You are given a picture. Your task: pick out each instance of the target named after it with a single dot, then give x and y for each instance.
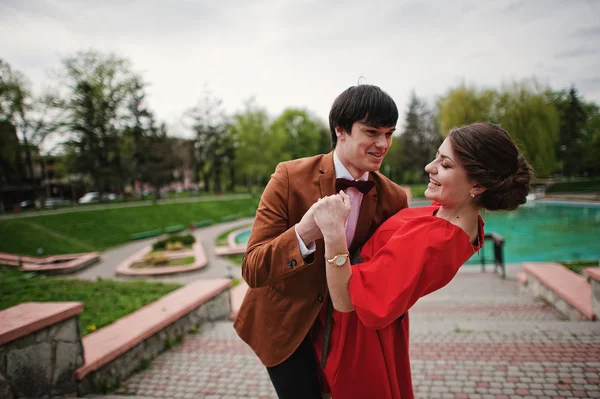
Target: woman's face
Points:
(448, 181)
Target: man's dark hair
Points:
(366, 104)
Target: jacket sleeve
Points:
(272, 253)
(421, 257)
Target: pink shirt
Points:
(355, 201)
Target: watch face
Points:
(340, 261)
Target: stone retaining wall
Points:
(541, 291)
(42, 363)
(110, 376)
(593, 274)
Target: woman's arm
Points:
(338, 277)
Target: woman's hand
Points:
(331, 212)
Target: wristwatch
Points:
(339, 260)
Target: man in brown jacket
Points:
(284, 263)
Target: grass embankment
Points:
(98, 230)
(104, 301)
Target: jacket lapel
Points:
(327, 177)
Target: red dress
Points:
(412, 254)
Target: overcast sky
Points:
(302, 53)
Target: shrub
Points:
(187, 239)
(174, 246)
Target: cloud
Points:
(583, 51)
(304, 53)
(589, 32)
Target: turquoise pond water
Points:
(538, 232)
(242, 238)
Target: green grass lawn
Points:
(98, 230)
(104, 301)
(584, 186)
(188, 260)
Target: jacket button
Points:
(320, 298)
(292, 263)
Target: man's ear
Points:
(340, 133)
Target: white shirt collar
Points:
(342, 173)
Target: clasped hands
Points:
(325, 218)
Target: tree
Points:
(257, 147)
(302, 132)
(571, 138)
(12, 92)
(591, 137)
(464, 105)
(418, 142)
(210, 125)
(159, 162)
(133, 143)
(524, 111)
(34, 118)
(96, 91)
(522, 108)
(10, 99)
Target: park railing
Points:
(497, 253)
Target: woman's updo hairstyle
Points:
(490, 156)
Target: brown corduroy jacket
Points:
(286, 291)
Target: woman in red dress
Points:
(412, 254)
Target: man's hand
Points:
(330, 213)
(307, 228)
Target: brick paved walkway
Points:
(476, 338)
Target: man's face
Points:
(364, 149)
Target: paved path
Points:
(477, 338)
(217, 266)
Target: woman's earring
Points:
(472, 195)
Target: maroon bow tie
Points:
(364, 186)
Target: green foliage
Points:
(581, 186)
(532, 121)
(303, 134)
(187, 239)
(259, 148)
(10, 163)
(102, 229)
(418, 190)
(579, 137)
(521, 108)
(104, 301)
(213, 143)
(415, 147)
(464, 105)
(97, 90)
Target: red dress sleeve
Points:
(422, 256)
